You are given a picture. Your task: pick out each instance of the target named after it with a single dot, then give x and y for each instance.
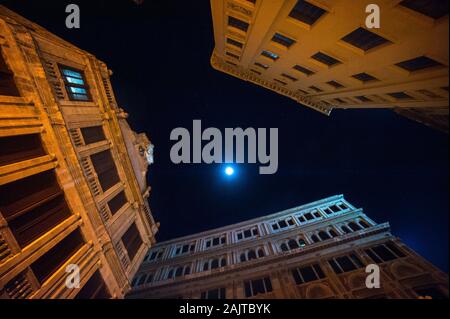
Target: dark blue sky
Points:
(396, 169)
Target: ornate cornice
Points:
(237, 71)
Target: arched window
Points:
(215, 264)
(364, 224)
(284, 247)
(251, 254)
(179, 272)
(345, 229)
(354, 226)
(302, 242)
(261, 253)
(333, 233)
(315, 239)
(206, 266)
(243, 257)
(324, 236)
(187, 270)
(223, 262)
(292, 244)
(170, 275)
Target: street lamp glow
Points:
(229, 171)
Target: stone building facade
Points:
(318, 250)
(321, 53)
(72, 173)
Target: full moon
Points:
(229, 171)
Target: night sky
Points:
(396, 169)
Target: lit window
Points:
(75, 84)
(270, 55)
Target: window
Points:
(362, 98)
(219, 293)
(264, 66)
(315, 239)
(345, 263)
(386, 252)
(247, 233)
(293, 244)
(155, 255)
(419, 63)
(238, 24)
(235, 43)
(335, 84)
(279, 81)
(364, 39)
(353, 226)
(7, 84)
(283, 40)
(215, 241)
(364, 77)
(307, 274)
(75, 84)
(184, 249)
(95, 288)
(117, 202)
(304, 70)
(261, 253)
(255, 71)
(32, 206)
(400, 96)
(92, 134)
(53, 259)
(364, 224)
(340, 101)
(270, 55)
(315, 89)
(324, 236)
(20, 148)
(257, 286)
(132, 241)
(325, 59)
(234, 56)
(306, 12)
(106, 169)
(346, 230)
(432, 8)
(290, 77)
(333, 233)
(230, 63)
(285, 223)
(335, 208)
